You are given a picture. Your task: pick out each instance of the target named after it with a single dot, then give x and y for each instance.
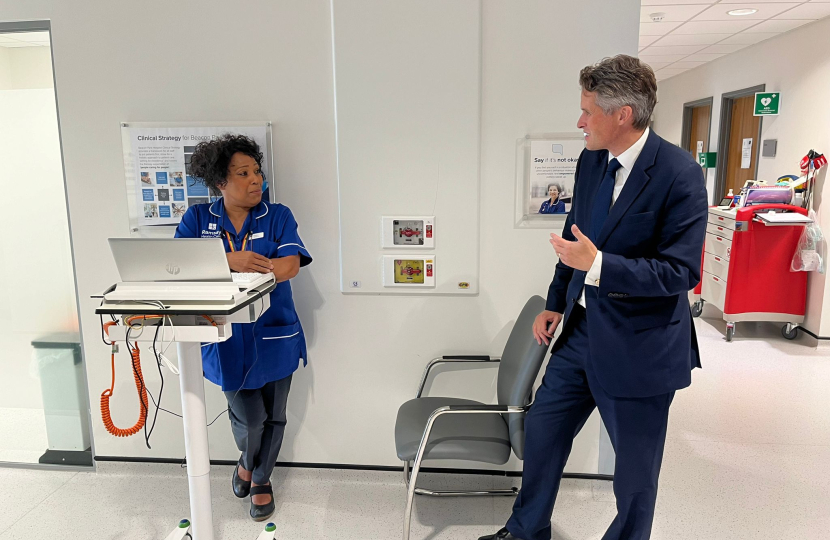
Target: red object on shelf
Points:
(429, 231)
(429, 270)
(760, 279)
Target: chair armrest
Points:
(500, 409)
(451, 359)
(486, 409)
(462, 409)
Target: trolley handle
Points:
(748, 212)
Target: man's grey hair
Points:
(620, 81)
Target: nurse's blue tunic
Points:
(271, 348)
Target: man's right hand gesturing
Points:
(545, 325)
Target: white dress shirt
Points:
(627, 160)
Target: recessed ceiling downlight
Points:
(740, 12)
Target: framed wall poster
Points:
(157, 155)
(545, 168)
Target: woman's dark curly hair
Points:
(211, 159)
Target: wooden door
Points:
(744, 126)
(699, 130)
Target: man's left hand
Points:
(578, 255)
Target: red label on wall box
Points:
(429, 231)
(429, 270)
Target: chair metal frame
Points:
(411, 480)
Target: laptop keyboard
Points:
(245, 277)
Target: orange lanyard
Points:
(230, 242)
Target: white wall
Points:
(273, 61)
(797, 64)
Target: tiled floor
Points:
(748, 457)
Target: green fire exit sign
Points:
(707, 160)
(766, 103)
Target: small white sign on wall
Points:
(746, 154)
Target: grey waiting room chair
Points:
(453, 428)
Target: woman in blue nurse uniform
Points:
(553, 205)
(254, 367)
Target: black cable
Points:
(103, 336)
(157, 404)
(161, 376)
(142, 388)
(256, 359)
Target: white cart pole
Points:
(192, 386)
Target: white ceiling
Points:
(694, 32)
(24, 39)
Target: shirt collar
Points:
(217, 209)
(629, 157)
(260, 210)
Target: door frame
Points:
(727, 101)
(685, 136)
(10, 27)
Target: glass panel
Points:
(44, 410)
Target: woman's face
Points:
(553, 192)
(244, 187)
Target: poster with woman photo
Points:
(551, 175)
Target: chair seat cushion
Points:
(471, 437)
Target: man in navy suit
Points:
(628, 256)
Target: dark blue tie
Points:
(602, 201)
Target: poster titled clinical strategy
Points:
(164, 185)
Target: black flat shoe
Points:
(261, 512)
(241, 488)
(503, 534)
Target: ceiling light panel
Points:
(811, 10)
(723, 49)
(776, 25)
(657, 29)
(732, 26)
(692, 39)
(746, 38)
(657, 50)
(648, 59)
(719, 12)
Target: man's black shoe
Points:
(503, 534)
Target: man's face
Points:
(600, 129)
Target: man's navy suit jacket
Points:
(642, 337)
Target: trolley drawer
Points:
(720, 230)
(713, 290)
(717, 266)
(718, 245)
(728, 222)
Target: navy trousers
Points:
(567, 396)
(258, 419)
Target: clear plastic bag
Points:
(810, 255)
